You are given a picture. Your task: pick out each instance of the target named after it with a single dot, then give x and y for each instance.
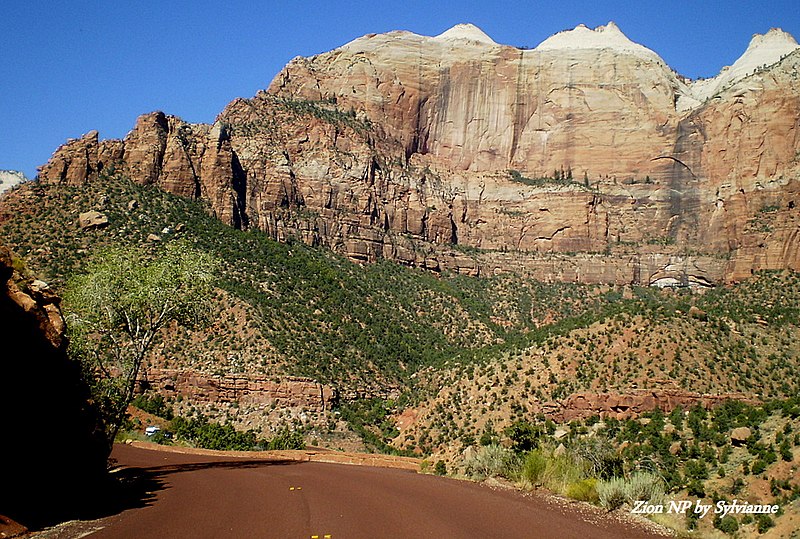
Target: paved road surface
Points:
(203, 496)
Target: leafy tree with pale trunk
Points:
(118, 309)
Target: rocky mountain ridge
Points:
(584, 159)
(763, 50)
(10, 179)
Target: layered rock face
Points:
(433, 151)
(633, 404)
(192, 160)
(292, 392)
(479, 106)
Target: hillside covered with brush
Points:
(382, 329)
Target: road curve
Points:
(201, 496)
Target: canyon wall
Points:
(290, 392)
(585, 159)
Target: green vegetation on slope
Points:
(314, 312)
(475, 348)
(685, 455)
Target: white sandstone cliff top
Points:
(602, 37)
(763, 50)
(467, 32)
(10, 178)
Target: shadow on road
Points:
(123, 489)
(85, 499)
(160, 471)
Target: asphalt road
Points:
(197, 496)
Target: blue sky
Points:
(70, 67)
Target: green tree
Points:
(117, 309)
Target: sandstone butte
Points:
(426, 150)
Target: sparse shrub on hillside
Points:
(727, 524)
(556, 472)
(210, 435)
(584, 490)
(153, 404)
(616, 492)
(646, 486)
(491, 461)
(562, 471)
(612, 493)
(696, 488)
(603, 460)
(534, 466)
(287, 439)
(764, 523)
(524, 436)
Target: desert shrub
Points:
(555, 472)
(162, 438)
(211, 435)
(646, 486)
(615, 492)
(584, 490)
(153, 404)
(534, 466)
(727, 524)
(490, 461)
(696, 488)
(287, 439)
(765, 522)
(524, 436)
(440, 468)
(600, 456)
(561, 471)
(692, 519)
(611, 493)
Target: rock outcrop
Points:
(740, 435)
(291, 392)
(92, 219)
(631, 404)
(10, 179)
(586, 158)
(191, 160)
(54, 451)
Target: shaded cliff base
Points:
(54, 458)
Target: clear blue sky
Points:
(69, 67)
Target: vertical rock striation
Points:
(586, 158)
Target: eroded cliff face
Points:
(250, 390)
(429, 151)
(191, 160)
(631, 404)
(479, 107)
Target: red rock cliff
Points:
(401, 146)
